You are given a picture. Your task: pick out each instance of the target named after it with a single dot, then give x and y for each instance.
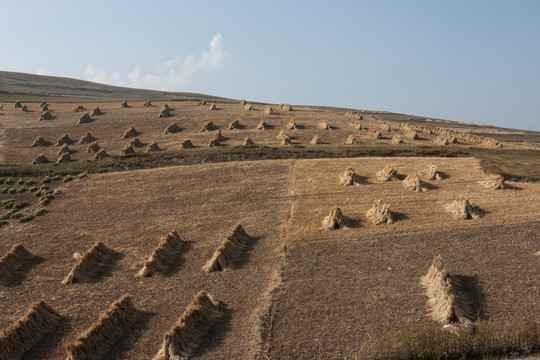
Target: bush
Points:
(8, 181)
(20, 181)
(68, 178)
(33, 189)
(41, 211)
(12, 191)
(46, 179)
(56, 178)
(44, 201)
(22, 189)
(16, 215)
(26, 218)
(29, 182)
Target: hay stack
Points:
(13, 262)
(40, 141)
(213, 106)
(316, 140)
(219, 136)
(414, 183)
(105, 332)
(209, 126)
(291, 125)
(163, 256)
(87, 138)
(63, 158)
(43, 103)
(79, 108)
(186, 144)
(187, 334)
(385, 126)
(355, 125)
(136, 143)
(152, 147)
(397, 140)
(17, 105)
(349, 177)
(234, 125)
(93, 148)
(164, 113)
(411, 135)
(262, 125)
(323, 125)
(128, 150)
(285, 107)
(229, 254)
(124, 105)
(85, 119)
(431, 172)
(44, 108)
(172, 129)
(445, 140)
(249, 107)
(101, 154)
(374, 134)
(64, 150)
(96, 112)
(24, 108)
(493, 182)
(243, 102)
(462, 209)
(64, 140)
(387, 174)
(214, 142)
(269, 111)
(39, 320)
(41, 159)
(446, 302)
(247, 141)
(147, 103)
(131, 132)
(165, 107)
(351, 140)
(335, 220)
(202, 102)
(379, 213)
(45, 116)
(93, 262)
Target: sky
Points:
(465, 60)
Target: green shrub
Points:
(29, 182)
(41, 211)
(46, 179)
(26, 218)
(6, 204)
(8, 181)
(20, 181)
(68, 178)
(22, 189)
(16, 215)
(12, 191)
(44, 201)
(14, 204)
(33, 189)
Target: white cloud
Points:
(42, 71)
(172, 75)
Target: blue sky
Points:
(474, 61)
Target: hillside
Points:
(79, 166)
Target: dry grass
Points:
(64, 150)
(12, 262)
(186, 336)
(163, 256)
(349, 178)
(105, 332)
(493, 182)
(130, 133)
(96, 260)
(87, 138)
(27, 331)
(388, 173)
(85, 119)
(432, 173)
(231, 251)
(172, 129)
(414, 183)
